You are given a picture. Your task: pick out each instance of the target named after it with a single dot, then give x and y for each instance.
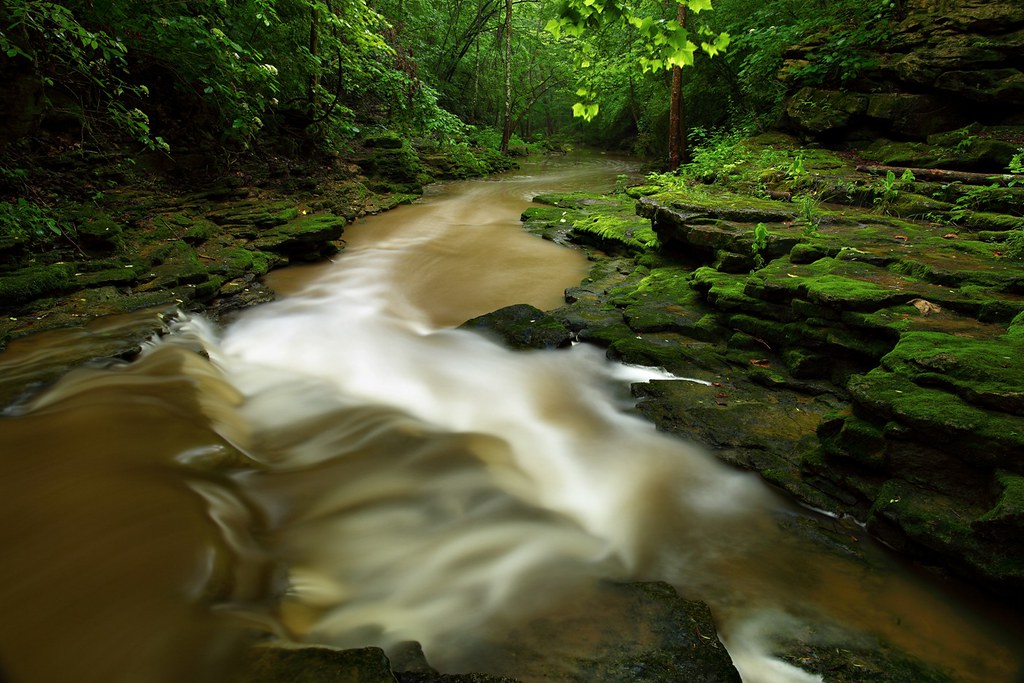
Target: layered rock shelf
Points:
(867, 359)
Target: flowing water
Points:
(342, 467)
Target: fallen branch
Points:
(943, 176)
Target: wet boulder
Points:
(522, 326)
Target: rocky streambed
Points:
(859, 352)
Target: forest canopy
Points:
(231, 71)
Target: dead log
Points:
(939, 175)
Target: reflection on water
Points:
(342, 468)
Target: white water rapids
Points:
(423, 483)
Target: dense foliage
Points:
(228, 72)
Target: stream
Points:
(343, 467)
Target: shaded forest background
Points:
(318, 74)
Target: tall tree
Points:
(657, 45)
(506, 131)
(677, 111)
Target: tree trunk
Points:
(677, 110)
(314, 48)
(506, 132)
(476, 84)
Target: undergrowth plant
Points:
(1016, 166)
(809, 211)
(1014, 245)
(25, 221)
(889, 187)
(759, 244)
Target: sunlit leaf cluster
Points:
(657, 42)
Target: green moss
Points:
(804, 363)
(770, 331)
(919, 514)
(96, 227)
(858, 441)
(728, 292)
(847, 293)
(1015, 330)
(118, 276)
(209, 288)
(984, 372)
(1010, 506)
(668, 284)
(543, 213)
(983, 220)
(638, 191)
(666, 350)
(982, 436)
(35, 282)
(200, 231)
(809, 252)
(618, 226)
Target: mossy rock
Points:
(174, 264)
(986, 438)
(209, 288)
(522, 326)
(258, 215)
(615, 226)
(890, 153)
(314, 665)
(576, 200)
(726, 206)
(679, 642)
(676, 353)
(235, 262)
(121, 276)
(986, 373)
(939, 528)
(668, 284)
(200, 231)
(304, 234)
(384, 140)
(35, 282)
(543, 213)
(392, 168)
(1004, 522)
(823, 111)
(855, 661)
(830, 282)
(998, 222)
(97, 228)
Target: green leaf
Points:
(698, 6)
(682, 57)
(554, 27)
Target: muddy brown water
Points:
(343, 468)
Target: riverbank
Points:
(857, 328)
(161, 234)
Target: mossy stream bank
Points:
(863, 354)
(158, 234)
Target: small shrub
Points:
(759, 244)
(25, 221)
